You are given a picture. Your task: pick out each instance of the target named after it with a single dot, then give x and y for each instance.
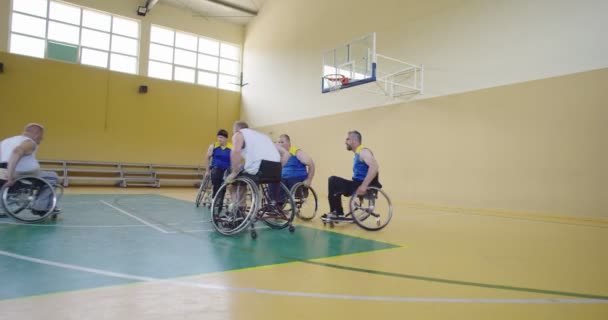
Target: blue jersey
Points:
(360, 168)
(221, 156)
(294, 168)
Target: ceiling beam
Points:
(234, 7)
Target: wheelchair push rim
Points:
(17, 200)
(373, 211)
(235, 213)
(277, 213)
(305, 199)
(203, 192)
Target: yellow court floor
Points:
(430, 262)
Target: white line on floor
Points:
(305, 294)
(135, 217)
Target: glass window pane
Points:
(185, 41)
(161, 35)
(64, 12)
(64, 32)
(94, 58)
(124, 45)
(121, 63)
(208, 46)
(185, 58)
(184, 74)
(27, 46)
(160, 70)
(161, 53)
(229, 67)
(62, 51)
(231, 52)
(95, 39)
(126, 27)
(28, 25)
(207, 78)
(228, 83)
(34, 7)
(96, 20)
(208, 62)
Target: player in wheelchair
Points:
(249, 197)
(370, 207)
(218, 163)
(297, 175)
(26, 193)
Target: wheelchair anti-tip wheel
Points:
(204, 192)
(372, 211)
(19, 199)
(305, 199)
(234, 213)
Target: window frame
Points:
(80, 27)
(197, 54)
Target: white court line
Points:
(304, 294)
(135, 217)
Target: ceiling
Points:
(211, 9)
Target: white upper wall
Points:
(160, 15)
(464, 45)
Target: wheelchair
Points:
(248, 200)
(372, 211)
(204, 192)
(18, 200)
(306, 201)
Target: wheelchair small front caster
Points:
(254, 234)
(292, 229)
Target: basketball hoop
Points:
(336, 81)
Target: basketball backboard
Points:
(350, 64)
(357, 63)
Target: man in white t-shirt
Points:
(263, 158)
(18, 158)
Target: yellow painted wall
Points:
(464, 45)
(95, 114)
(537, 146)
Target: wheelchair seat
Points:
(269, 172)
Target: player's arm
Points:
(236, 155)
(307, 161)
(24, 149)
(368, 157)
(208, 157)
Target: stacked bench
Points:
(123, 174)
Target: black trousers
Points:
(338, 187)
(217, 178)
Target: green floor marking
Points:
(94, 235)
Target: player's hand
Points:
(306, 183)
(230, 178)
(362, 190)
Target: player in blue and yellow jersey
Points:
(218, 156)
(365, 173)
(299, 167)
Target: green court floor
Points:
(99, 236)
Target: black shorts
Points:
(269, 172)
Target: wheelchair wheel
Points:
(234, 213)
(372, 211)
(19, 199)
(204, 192)
(277, 210)
(305, 199)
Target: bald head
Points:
(239, 125)
(34, 131)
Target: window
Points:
(180, 56)
(62, 31)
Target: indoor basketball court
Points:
(486, 119)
